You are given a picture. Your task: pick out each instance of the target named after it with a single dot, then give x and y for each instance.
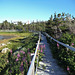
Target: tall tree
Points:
(63, 16)
(59, 15)
(51, 18)
(20, 23)
(68, 17)
(54, 16)
(5, 24)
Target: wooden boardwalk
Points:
(49, 66)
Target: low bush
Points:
(16, 65)
(65, 57)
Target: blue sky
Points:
(25, 10)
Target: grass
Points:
(16, 34)
(17, 44)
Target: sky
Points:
(24, 10)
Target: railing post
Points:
(33, 69)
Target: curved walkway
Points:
(48, 65)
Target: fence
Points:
(71, 48)
(32, 69)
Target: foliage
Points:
(19, 62)
(64, 28)
(59, 19)
(67, 38)
(26, 45)
(64, 56)
(40, 54)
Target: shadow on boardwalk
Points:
(48, 65)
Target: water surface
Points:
(5, 37)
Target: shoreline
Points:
(13, 36)
(6, 37)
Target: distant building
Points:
(16, 22)
(28, 22)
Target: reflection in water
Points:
(5, 37)
(1, 37)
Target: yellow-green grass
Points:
(4, 56)
(16, 34)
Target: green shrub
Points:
(12, 67)
(64, 56)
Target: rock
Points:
(52, 70)
(3, 44)
(8, 43)
(5, 50)
(32, 54)
(41, 63)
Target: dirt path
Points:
(49, 66)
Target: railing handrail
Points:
(31, 68)
(71, 48)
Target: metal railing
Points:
(71, 48)
(32, 69)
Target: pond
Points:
(5, 37)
